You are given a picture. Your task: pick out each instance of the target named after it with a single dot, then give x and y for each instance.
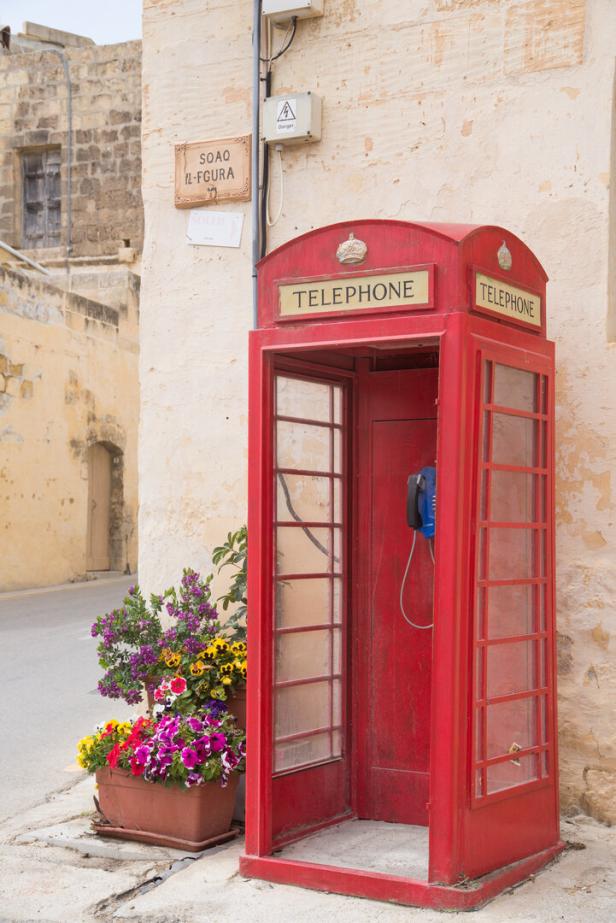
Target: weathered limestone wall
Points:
(106, 146)
(486, 111)
(68, 379)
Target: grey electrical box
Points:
(284, 10)
(292, 119)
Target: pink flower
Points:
(190, 757)
(178, 685)
(217, 741)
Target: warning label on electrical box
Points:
(286, 116)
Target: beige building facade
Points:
(70, 203)
(473, 111)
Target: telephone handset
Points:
(421, 517)
(421, 502)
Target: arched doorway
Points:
(99, 507)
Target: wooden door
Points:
(41, 198)
(393, 659)
(99, 507)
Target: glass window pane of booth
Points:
(510, 685)
(309, 567)
(515, 388)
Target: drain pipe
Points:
(256, 100)
(69, 151)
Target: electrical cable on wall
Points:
(264, 222)
(272, 221)
(286, 44)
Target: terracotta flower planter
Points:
(166, 815)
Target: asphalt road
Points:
(49, 672)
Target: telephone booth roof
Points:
(478, 269)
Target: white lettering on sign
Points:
(286, 116)
(207, 228)
(514, 303)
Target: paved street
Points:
(49, 700)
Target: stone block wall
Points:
(105, 145)
(68, 379)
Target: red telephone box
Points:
(401, 703)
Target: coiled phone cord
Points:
(403, 584)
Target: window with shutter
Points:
(41, 198)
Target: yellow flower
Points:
(197, 668)
(221, 644)
(226, 680)
(218, 692)
(174, 660)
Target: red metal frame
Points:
(499, 839)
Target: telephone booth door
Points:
(401, 714)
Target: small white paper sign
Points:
(207, 228)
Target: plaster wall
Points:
(479, 111)
(68, 379)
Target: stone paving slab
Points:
(53, 870)
(76, 834)
(580, 886)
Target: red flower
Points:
(113, 756)
(136, 768)
(178, 685)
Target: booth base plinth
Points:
(380, 886)
(371, 845)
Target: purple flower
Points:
(131, 590)
(217, 741)
(132, 697)
(142, 754)
(190, 757)
(193, 778)
(195, 725)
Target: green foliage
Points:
(234, 553)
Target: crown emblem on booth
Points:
(352, 250)
(504, 256)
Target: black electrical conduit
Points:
(259, 199)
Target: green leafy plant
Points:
(234, 553)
